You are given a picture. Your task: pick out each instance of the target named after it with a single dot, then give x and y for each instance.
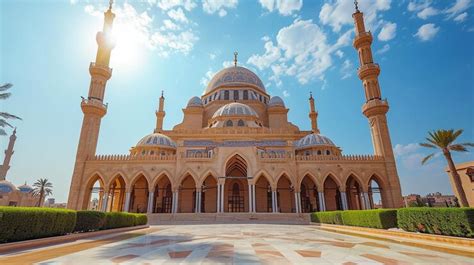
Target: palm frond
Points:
(468, 144)
(456, 134)
(428, 145)
(2, 132)
(5, 95)
(458, 148)
(4, 123)
(7, 115)
(5, 86)
(427, 158)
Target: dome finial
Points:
(310, 94)
(235, 58)
(356, 5)
(111, 2)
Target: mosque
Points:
(234, 151)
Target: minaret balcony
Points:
(100, 70)
(364, 38)
(374, 107)
(370, 69)
(93, 106)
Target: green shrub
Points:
(331, 217)
(440, 221)
(89, 221)
(141, 219)
(21, 223)
(118, 219)
(378, 218)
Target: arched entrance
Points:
(209, 195)
(332, 196)
(309, 195)
(116, 195)
(94, 198)
(163, 196)
(375, 194)
(263, 195)
(236, 185)
(187, 195)
(353, 192)
(139, 196)
(285, 195)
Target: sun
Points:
(128, 51)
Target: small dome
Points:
(276, 101)
(235, 109)
(6, 187)
(313, 139)
(156, 139)
(234, 76)
(25, 188)
(194, 102)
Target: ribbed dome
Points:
(235, 109)
(234, 76)
(6, 187)
(276, 101)
(313, 139)
(156, 139)
(25, 188)
(195, 102)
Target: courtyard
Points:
(231, 244)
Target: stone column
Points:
(322, 203)
(254, 206)
(362, 201)
(175, 202)
(151, 196)
(127, 201)
(250, 199)
(105, 201)
(344, 200)
(366, 200)
(275, 196)
(222, 198)
(297, 210)
(198, 201)
(218, 199)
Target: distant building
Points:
(49, 202)
(431, 199)
(466, 173)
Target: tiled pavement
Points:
(242, 244)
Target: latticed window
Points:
(226, 95)
(236, 94)
(240, 123)
(229, 123)
(246, 94)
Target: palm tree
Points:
(42, 189)
(5, 115)
(444, 140)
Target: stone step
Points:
(210, 218)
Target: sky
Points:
(424, 49)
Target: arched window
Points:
(240, 123)
(236, 94)
(226, 95)
(246, 94)
(328, 152)
(319, 152)
(229, 123)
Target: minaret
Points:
(93, 106)
(375, 108)
(8, 156)
(313, 114)
(160, 114)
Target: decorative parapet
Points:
(197, 155)
(339, 158)
(275, 155)
(134, 157)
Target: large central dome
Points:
(235, 76)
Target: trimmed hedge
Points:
(378, 218)
(440, 221)
(89, 221)
(330, 217)
(21, 223)
(123, 219)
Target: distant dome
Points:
(235, 109)
(6, 186)
(276, 101)
(156, 139)
(313, 139)
(195, 102)
(25, 188)
(234, 76)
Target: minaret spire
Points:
(356, 4)
(93, 108)
(160, 114)
(8, 156)
(313, 114)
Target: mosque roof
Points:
(156, 139)
(235, 109)
(313, 139)
(234, 76)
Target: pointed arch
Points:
(210, 172)
(94, 194)
(285, 195)
(236, 163)
(309, 194)
(162, 193)
(139, 192)
(354, 190)
(312, 176)
(332, 194)
(377, 194)
(187, 194)
(266, 175)
(118, 173)
(187, 172)
(334, 178)
(137, 176)
(163, 173)
(287, 175)
(117, 188)
(263, 193)
(209, 193)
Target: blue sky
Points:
(424, 49)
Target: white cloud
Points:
(212, 56)
(338, 13)
(339, 53)
(401, 150)
(427, 32)
(461, 17)
(459, 7)
(416, 6)
(178, 15)
(170, 25)
(284, 7)
(207, 77)
(168, 4)
(347, 69)
(218, 6)
(271, 55)
(427, 12)
(388, 31)
(286, 93)
(383, 50)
